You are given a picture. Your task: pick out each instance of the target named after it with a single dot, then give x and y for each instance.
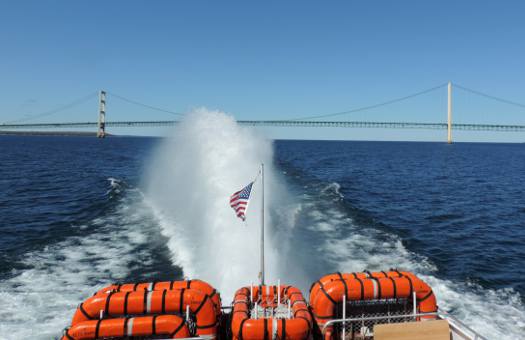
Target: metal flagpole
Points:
(261, 273)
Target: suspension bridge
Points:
(308, 121)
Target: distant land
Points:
(50, 133)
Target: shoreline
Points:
(50, 133)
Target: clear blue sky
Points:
(266, 60)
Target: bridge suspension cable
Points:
(502, 100)
(144, 105)
(58, 109)
(368, 107)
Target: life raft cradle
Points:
(244, 327)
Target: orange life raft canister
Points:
(116, 304)
(167, 285)
(244, 327)
(171, 326)
(329, 291)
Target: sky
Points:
(267, 60)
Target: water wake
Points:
(39, 300)
(191, 178)
(350, 247)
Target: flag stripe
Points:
(239, 201)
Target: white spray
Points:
(191, 179)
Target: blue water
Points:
(461, 205)
(73, 217)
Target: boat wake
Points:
(191, 179)
(38, 300)
(347, 246)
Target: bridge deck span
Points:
(278, 123)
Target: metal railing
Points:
(457, 326)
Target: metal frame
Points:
(456, 325)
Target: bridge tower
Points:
(101, 132)
(449, 116)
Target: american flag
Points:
(239, 201)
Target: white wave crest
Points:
(38, 302)
(189, 184)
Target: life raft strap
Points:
(125, 329)
(322, 317)
(240, 301)
(308, 323)
(145, 302)
(312, 286)
(83, 311)
(126, 297)
(135, 286)
(283, 328)
(206, 326)
(240, 328)
(188, 284)
(171, 285)
(201, 305)
(425, 297)
(344, 284)
(153, 285)
(163, 302)
(411, 286)
(179, 327)
(153, 322)
(362, 286)
(297, 301)
(266, 329)
(97, 329)
(66, 334)
(394, 285)
(384, 273)
(181, 300)
(299, 310)
(213, 292)
(106, 307)
(327, 295)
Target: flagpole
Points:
(261, 273)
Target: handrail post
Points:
(414, 304)
(344, 317)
